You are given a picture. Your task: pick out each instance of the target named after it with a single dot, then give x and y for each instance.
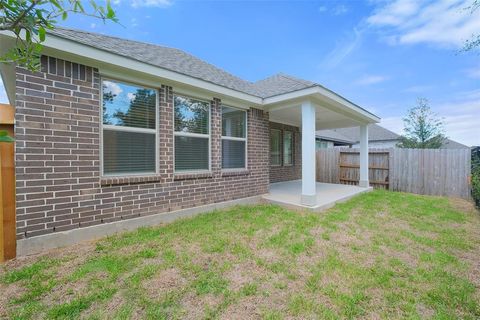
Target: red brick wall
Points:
(59, 185)
(291, 172)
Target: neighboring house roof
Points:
(450, 144)
(375, 133)
(185, 63)
(332, 135)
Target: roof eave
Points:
(317, 91)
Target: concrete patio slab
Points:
(288, 194)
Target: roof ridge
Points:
(299, 80)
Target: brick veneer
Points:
(291, 172)
(59, 185)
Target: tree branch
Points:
(23, 14)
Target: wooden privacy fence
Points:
(7, 187)
(443, 172)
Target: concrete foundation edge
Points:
(66, 238)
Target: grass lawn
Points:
(379, 255)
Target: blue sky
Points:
(380, 54)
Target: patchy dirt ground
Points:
(380, 255)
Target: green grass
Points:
(379, 255)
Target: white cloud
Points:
(322, 9)
(111, 87)
(131, 96)
(419, 89)
(474, 72)
(343, 49)
(3, 93)
(151, 3)
(370, 79)
(444, 23)
(133, 22)
(340, 9)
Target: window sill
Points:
(192, 175)
(235, 172)
(114, 180)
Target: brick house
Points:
(112, 134)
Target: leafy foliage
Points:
(476, 175)
(29, 21)
(423, 129)
(474, 42)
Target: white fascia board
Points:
(317, 92)
(84, 53)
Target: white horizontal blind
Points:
(192, 134)
(129, 128)
(234, 138)
(287, 148)
(275, 145)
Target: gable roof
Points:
(182, 62)
(282, 83)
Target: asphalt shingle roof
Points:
(375, 133)
(333, 136)
(182, 62)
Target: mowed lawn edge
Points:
(379, 255)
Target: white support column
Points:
(364, 156)
(309, 191)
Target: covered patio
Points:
(288, 194)
(312, 109)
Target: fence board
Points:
(443, 172)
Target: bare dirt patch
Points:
(242, 274)
(248, 308)
(165, 281)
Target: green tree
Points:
(423, 128)
(474, 41)
(29, 21)
(141, 112)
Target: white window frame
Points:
(235, 138)
(292, 144)
(128, 129)
(193, 135)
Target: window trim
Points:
(281, 151)
(234, 139)
(129, 129)
(193, 135)
(292, 144)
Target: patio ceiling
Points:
(331, 110)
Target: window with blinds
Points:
(287, 148)
(129, 128)
(234, 138)
(192, 134)
(275, 147)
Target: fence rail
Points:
(443, 172)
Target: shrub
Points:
(476, 175)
